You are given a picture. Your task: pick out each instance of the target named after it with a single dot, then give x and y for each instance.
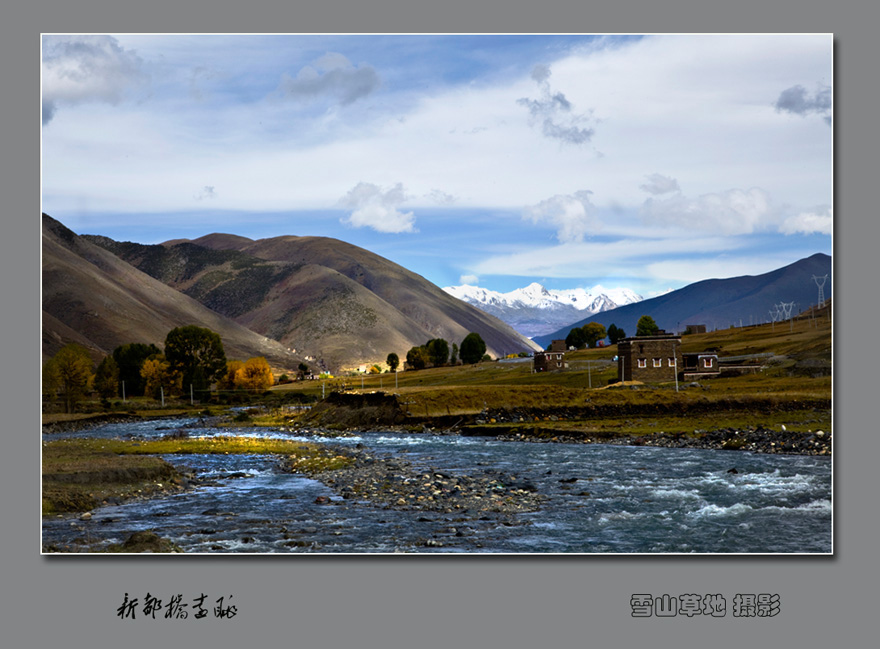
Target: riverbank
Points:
(795, 426)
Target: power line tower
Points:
(820, 282)
(786, 307)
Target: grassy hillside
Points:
(788, 391)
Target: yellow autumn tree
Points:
(227, 381)
(160, 378)
(254, 375)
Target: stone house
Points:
(553, 358)
(649, 358)
(700, 365)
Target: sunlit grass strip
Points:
(193, 445)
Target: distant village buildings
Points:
(553, 358)
(649, 358)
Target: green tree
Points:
(472, 348)
(646, 326)
(303, 369)
(438, 351)
(107, 378)
(417, 357)
(130, 358)
(575, 338)
(615, 334)
(70, 372)
(593, 333)
(393, 361)
(197, 353)
(453, 359)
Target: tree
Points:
(255, 374)
(615, 334)
(197, 353)
(646, 326)
(575, 338)
(472, 348)
(303, 369)
(593, 333)
(70, 371)
(393, 361)
(160, 378)
(130, 358)
(417, 358)
(438, 351)
(227, 381)
(107, 378)
(453, 359)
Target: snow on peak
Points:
(536, 295)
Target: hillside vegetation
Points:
(793, 389)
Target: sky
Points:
(648, 161)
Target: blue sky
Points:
(649, 162)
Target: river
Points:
(599, 499)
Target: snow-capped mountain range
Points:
(535, 310)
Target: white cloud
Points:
(378, 209)
(471, 280)
(687, 271)
(206, 192)
(553, 111)
(333, 75)
(818, 221)
(660, 184)
(734, 211)
(440, 197)
(698, 109)
(79, 69)
(798, 101)
(572, 215)
(623, 258)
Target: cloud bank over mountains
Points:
(514, 159)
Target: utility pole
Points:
(123, 391)
(675, 366)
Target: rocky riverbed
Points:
(757, 440)
(395, 483)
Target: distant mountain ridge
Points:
(536, 310)
(329, 301)
(720, 303)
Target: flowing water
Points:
(600, 499)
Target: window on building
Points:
(671, 362)
(658, 362)
(643, 362)
(707, 362)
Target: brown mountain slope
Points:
(92, 297)
(362, 308)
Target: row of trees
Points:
(437, 352)
(193, 358)
(591, 333)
